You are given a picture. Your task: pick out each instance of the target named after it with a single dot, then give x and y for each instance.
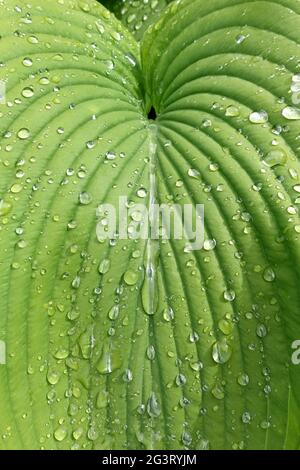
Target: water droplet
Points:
(290, 113)
(221, 351)
(218, 392)
(61, 353)
(32, 40)
(84, 6)
(150, 288)
(180, 380)
(153, 407)
(151, 353)
(259, 117)
(76, 282)
(275, 157)
(261, 331)
(102, 400)
(131, 278)
(269, 275)
(225, 326)
(186, 439)
(23, 133)
(85, 343)
(78, 433)
(104, 266)
(128, 376)
(209, 245)
(85, 198)
(240, 38)
(27, 62)
(53, 377)
(60, 434)
(297, 188)
(232, 111)
(27, 92)
(109, 361)
(243, 379)
(90, 144)
(16, 188)
(168, 314)
(229, 295)
(194, 337)
(142, 193)
(92, 434)
(193, 173)
(114, 312)
(246, 417)
(5, 207)
(110, 155)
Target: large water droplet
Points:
(275, 157)
(290, 113)
(221, 351)
(269, 275)
(23, 133)
(259, 117)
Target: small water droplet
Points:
(27, 62)
(85, 198)
(243, 379)
(232, 111)
(193, 173)
(168, 314)
(209, 245)
(229, 295)
(240, 38)
(269, 275)
(261, 331)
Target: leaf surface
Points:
(114, 344)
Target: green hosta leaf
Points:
(222, 88)
(137, 343)
(137, 15)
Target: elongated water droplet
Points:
(109, 361)
(104, 266)
(290, 113)
(153, 407)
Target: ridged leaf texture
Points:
(133, 344)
